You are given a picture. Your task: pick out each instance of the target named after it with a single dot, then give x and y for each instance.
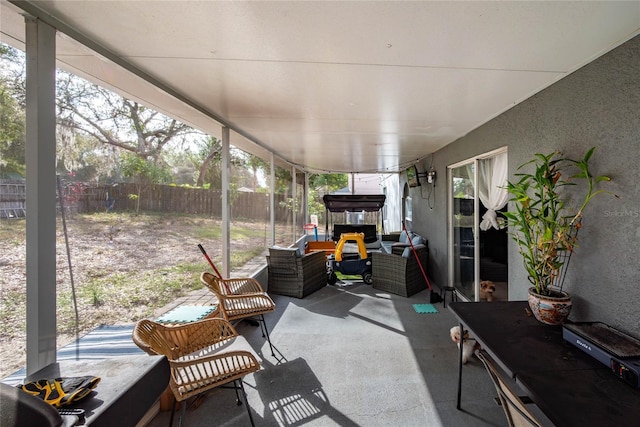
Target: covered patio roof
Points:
(338, 86)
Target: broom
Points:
(433, 297)
(214, 267)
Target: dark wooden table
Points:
(129, 386)
(570, 387)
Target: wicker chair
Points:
(241, 298)
(398, 274)
(296, 276)
(202, 355)
(517, 413)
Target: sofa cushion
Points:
(407, 251)
(403, 238)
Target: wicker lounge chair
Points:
(296, 276)
(202, 355)
(241, 298)
(515, 409)
(400, 274)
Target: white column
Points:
(305, 199)
(226, 209)
(40, 153)
(272, 200)
(294, 205)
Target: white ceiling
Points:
(364, 86)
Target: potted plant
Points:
(545, 226)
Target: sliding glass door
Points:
(477, 232)
(462, 231)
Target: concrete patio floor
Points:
(353, 356)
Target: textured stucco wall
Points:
(598, 105)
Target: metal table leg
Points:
(460, 367)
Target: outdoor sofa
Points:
(294, 273)
(399, 272)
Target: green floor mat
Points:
(425, 308)
(341, 276)
(187, 313)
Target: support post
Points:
(272, 200)
(226, 208)
(305, 198)
(294, 205)
(40, 154)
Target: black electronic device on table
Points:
(617, 350)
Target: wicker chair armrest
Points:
(233, 286)
(141, 337)
(192, 376)
(210, 359)
(211, 282)
(242, 285)
(233, 302)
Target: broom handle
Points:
(416, 255)
(215, 269)
(209, 259)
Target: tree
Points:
(256, 164)
(321, 184)
(87, 116)
(114, 120)
(12, 134)
(83, 157)
(328, 182)
(210, 151)
(12, 115)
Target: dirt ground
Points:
(113, 258)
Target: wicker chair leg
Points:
(183, 413)
(236, 387)
(265, 332)
(173, 411)
(244, 395)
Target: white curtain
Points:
(492, 175)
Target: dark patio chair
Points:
(18, 408)
(517, 413)
(296, 275)
(400, 274)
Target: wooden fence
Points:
(167, 198)
(12, 199)
(78, 197)
(153, 198)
